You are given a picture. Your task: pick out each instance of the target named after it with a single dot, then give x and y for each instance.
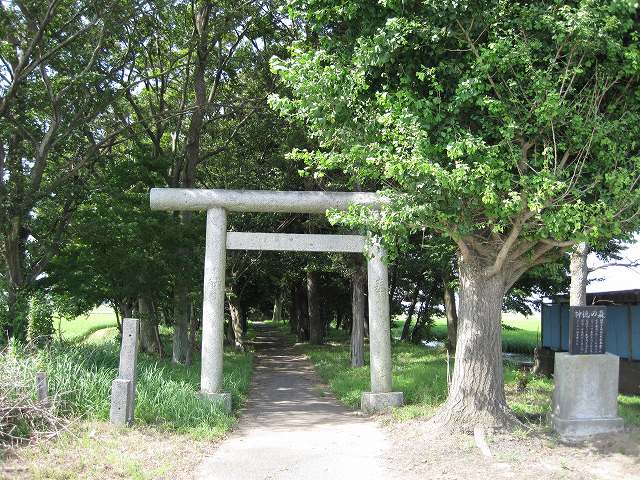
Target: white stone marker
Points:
(585, 397)
(381, 397)
(123, 388)
(213, 308)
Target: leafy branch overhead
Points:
(512, 128)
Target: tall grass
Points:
(166, 394)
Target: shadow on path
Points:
(292, 429)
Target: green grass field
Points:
(81, 327)
(421, 374)
(520, 334)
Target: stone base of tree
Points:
(585, 398)
(224, 399)
(380, 402)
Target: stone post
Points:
(42, 388)
(123, 388)
(213, 307)
(381, 397)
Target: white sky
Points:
(616, 278)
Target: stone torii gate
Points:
(217, 203)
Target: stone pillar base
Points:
(380, 402)
(585, 427)
(585, 397)
(121, 402)
(224, 399)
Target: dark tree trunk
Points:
(293, 315)
(358, 311)
(476, 396)
(148, 340)
(116, 311)
(302, 313)
(406, 328)
(181, 306)
(244, 321)
(193, 327)
(451, 313)
(315, 317)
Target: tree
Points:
(62, 64)
(511, 128)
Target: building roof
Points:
(621, 297)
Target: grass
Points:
(520, 334)
(166, 394)
(421, 374)
(81, 327)
(94, 449)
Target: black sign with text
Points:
(588, 330)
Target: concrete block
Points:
(121, 402)
(223, 398)
(380, 402)
(585, 398)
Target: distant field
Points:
(520, 334)
(81, 327)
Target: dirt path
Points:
(292, 428)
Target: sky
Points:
(610, 279)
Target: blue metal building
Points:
(623, 322)
(623, 330)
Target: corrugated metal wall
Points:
(623, 329)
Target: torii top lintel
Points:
(259, 200)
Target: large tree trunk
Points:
(315, 317)
(579, 273)
(358, 303)
(451, 312)
(476, 396)
(406, 329)
(181, 309)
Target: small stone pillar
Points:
(381, 397)
(42, 388)
(213, 308)
(585, 398)
(123, 388)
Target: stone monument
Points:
(585, 398)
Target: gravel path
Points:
(293, 429)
